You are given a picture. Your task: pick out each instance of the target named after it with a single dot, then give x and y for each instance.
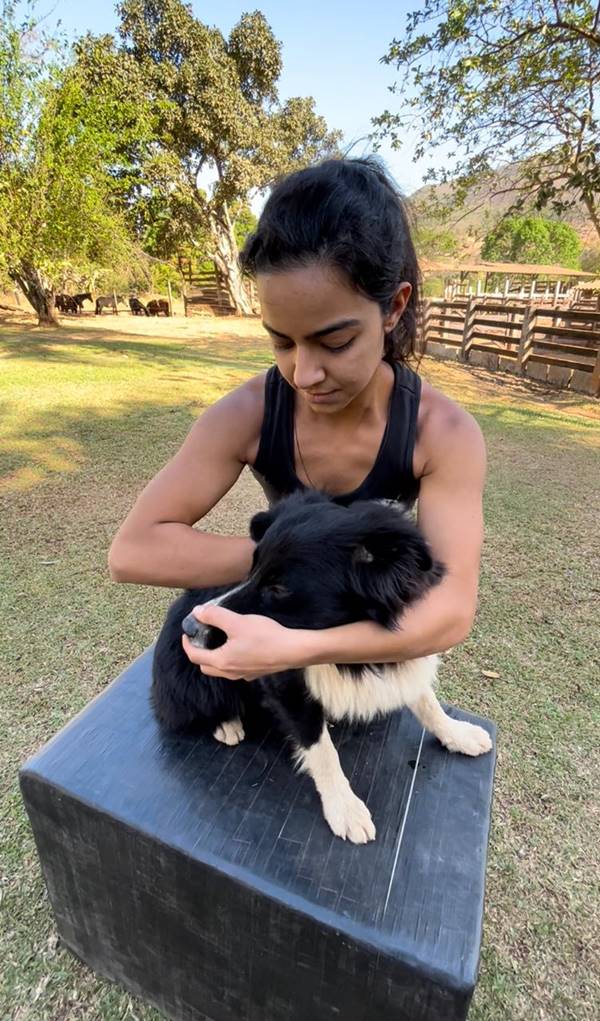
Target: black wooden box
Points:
(204, 878)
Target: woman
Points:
(337, 278)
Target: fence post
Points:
(169, 292)
(467, 337)
(115, 301)
(425, 317)
(596, 376)
(525, 342)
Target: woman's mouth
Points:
(321, 397)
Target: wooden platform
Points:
(205, 879)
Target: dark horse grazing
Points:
(137, 307)
(71, 302)
(107, 301)
(158, 306)
(80, 298)
(66, 303)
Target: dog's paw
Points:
(350, 818)
(231, 732)
(467, 738)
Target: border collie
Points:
(316, 565)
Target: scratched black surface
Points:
(129, 822)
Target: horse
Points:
(80, 298)
(137, 307)
(158, 306)
(66, 303)
(107, 301)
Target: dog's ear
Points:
(392, 565)
(387, 544)
(260, 523)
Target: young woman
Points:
(341, 411)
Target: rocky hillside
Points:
(482, 211)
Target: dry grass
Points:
(89, 414)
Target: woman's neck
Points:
(369, 405)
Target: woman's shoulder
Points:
(443, 427)
(241, 412)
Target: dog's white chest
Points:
(374, 692)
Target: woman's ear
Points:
(399, 303)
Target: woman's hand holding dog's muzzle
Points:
(255, 645)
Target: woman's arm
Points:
(450, 515)
(156, 544)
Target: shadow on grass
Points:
(511, 418)
(136, 437)
(471, 384)
(224, 349)
(61, 439)
(127, 436)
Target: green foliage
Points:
(533, 239)
(245, 224)
(63, 176)
(434, 241)
(217, 108)
(433, 287)
(104, 151)
(163, 272)
(498, 84)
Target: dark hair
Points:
(349, 214)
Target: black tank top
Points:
(390, 478)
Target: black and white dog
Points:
(316, 565)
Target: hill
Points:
(484, 207)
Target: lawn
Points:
(88, 416)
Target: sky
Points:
(331, 51)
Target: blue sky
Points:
(331, 50)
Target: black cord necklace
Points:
(310, 481)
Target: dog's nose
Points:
(190, 625)
(195, 631)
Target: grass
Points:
(88, 415)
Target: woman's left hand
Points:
(255, 645)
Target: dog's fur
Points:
(316, 565)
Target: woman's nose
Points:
(307, 371)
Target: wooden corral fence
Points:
(204, 290)
(555, 345)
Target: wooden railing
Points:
(204, 289)
(559, 345)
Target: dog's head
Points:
(318, 564)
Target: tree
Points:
(216, 107)
(434, 242)
(60, 174)
(503, 84)
(533, 239)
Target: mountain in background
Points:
(482, 211)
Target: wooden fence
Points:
(555, 345)
(204, 290)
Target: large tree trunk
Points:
(225, 257)
(30, 281)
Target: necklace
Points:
(310, 481)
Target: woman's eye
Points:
(342, 347)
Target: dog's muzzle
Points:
(202, 635)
